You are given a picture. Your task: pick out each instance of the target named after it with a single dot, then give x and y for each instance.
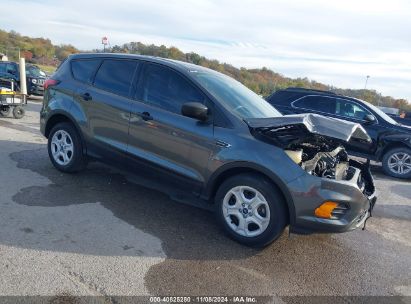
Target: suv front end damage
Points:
(337, 193)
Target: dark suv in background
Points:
(391, 141)
(203, 137)
(35, 77)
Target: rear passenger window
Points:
(116, 76)
(316, 103)
(166, 89)
(83, 70)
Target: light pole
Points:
(366, 81)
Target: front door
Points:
(178, 146)
(354, 112)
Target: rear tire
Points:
(397, 162)
(251, 209)
(18, 112)
(65, 148)
(5, 111)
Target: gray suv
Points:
(209, 140)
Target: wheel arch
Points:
(390, 146)
(59, 117)
(237, 168)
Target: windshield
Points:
(34, 71)
(382, 114)
(234, 96)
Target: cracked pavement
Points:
(104, 232)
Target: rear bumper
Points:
(359, 197)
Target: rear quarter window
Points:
(84, 70)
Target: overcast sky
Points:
(337, 42)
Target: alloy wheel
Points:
(246, 211)
(400, 163)
(62, 147)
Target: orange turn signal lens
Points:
(324, 211)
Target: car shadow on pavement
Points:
(403, 190)
(185, 231)
(201, 260)
(377, 171)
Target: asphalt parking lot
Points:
(101, 232)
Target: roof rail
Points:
(309, 90)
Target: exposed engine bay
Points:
(319, 155)
(332, 162)
(321, 161)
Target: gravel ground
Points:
(103, 233)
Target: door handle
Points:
(145, 116)
(86, 96)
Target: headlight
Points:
(34, 81)
(296, 156)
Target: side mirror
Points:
(369, 118)
(195, 110)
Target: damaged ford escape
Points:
(204, 137)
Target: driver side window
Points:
(351, 110)
(167, 89)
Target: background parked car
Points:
(406, 120)
(35, 77)
(391, 141)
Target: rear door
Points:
(106, 99)
(281, 100)
(315, 104)
(177, 146)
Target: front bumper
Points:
(309, 192)
(36, 89)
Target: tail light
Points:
(50, 82)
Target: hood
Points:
(314, 123)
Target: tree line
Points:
(263, 81)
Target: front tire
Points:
(397, 162)
(251, 209)
(18, 112)
(65, 148)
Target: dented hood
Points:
(314, 123)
